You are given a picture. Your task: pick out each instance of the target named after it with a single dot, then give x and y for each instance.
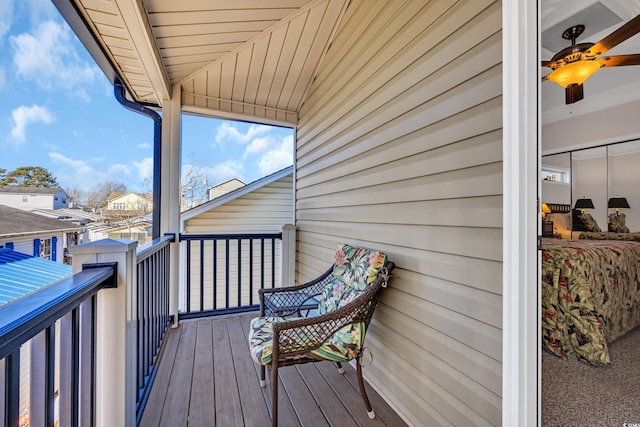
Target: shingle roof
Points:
(21, 274)
(15, 221)
(29, 190)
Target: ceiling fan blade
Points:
(573, 93)
(629, 29)
(549, 64)
(619, 60)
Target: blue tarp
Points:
(21, 274)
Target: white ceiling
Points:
(606, 88)
(253, 60)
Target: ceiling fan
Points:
(576, 63)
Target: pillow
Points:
(561, 222)
(617, 223)
(584, 222)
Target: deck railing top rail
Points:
(22, 319)
(154, 246)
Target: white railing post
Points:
(115, 332)
(288, 255)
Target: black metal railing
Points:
(223, 272)
(28, 329)
(153, 317)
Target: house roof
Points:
(15, 222)
(21, 274)
(245, 59)
(30, 190)
(232, 195)
(229, 181)
(116, 195)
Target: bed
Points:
(590, 296)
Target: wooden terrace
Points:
(206, 377)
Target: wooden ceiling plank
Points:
(196, 5)
(270, 64)
(258, 56)
(218, 16)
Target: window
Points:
(45, 248)
(553, 174)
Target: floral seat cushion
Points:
(353, 270)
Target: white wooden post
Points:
(115, 332)
(288, 255)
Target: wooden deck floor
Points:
(206, 377)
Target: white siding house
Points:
(35, 235)
(29, 198)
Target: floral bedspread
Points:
(603, 235)
(590, 296)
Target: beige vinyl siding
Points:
(263, 210)
(399, 148)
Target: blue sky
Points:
(58, 111)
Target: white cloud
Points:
(258, 145)
(145, 168)
(143, 146)
(6, 16)
(47, 57)
(278, 158)
(23, 116)
(228, 132)
(79, 172)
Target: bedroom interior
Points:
(590, 220)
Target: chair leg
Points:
(363, 392)
(274, 394)
(340, 368)
(262, 376)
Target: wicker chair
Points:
(345, 297)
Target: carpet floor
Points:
(577, 394)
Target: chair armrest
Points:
(289, 300)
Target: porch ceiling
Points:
(243, 58)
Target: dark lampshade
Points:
(618, 203)
(584, 204)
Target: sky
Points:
(58, 111)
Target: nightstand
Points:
(547, 228)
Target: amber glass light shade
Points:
(574, 73)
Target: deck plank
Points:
(175, 412)
(227, 397)
(348, 393)
(206, 377)
(201, 407)
(287, 416)
(304, 404)
(330, 404)
(153, 410)
(379, 405)
(254, 410)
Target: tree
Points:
(77, 195)
(28, 176)
(193, 187)
(97, 198)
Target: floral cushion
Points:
(354, 269)
(341, 347)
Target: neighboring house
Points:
(29, 198)
(129, 202)
(136, 228)
(33, 234)
(224, 188)
(260, 207)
